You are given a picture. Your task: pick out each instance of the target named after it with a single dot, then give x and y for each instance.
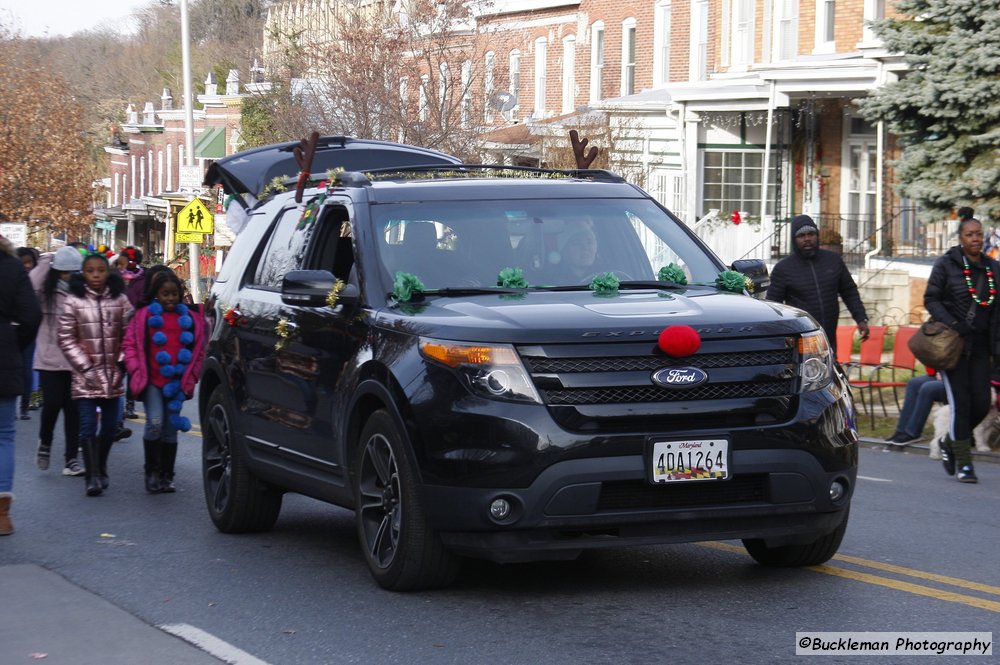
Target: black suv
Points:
(515, 364)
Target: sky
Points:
(38, 18)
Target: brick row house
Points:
(722, 109)
(145, 188)
(701, 99)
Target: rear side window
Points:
(284, 250)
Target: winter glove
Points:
(963, 328)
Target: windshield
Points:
(553, 243)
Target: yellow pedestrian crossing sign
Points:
(195, 218)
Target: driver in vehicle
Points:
(576, 255)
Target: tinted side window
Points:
(284, 250)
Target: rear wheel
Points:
(402, 552)
(237, 501)
(819, 551)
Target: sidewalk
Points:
(45, 617)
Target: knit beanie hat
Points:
(803, 224)
(67, 259)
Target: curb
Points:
(992, 457)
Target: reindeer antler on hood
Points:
(583, 160)
(304, 153)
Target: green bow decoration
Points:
(672, 273)
(512, 278)
(605, 284)
(730, 280)
(404, 285)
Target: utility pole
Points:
(194, 253)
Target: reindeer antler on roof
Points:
(304, 153)
(583, 160)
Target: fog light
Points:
(500, 509)
(837, 490)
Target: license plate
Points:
(704, 459)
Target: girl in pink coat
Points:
(164, 347)
(90, 335)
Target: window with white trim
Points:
(874, 11)
(404, 95)
(743, 33)
(596, 61)
(569, 74)
(444, 89)
(628, 56)
(514, 74)
(731, 181)
(698, 67)
(826, 12)
(786, 30)
(541, 82)
(423, 112)
(661, 43)
(489, 84)
(466, 111)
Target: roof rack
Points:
(362, 178)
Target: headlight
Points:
(492, 371)
(816, 364)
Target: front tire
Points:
(237, 501)
(402, 552)
(819, 551)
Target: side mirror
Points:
(756, 270)
(311, 288)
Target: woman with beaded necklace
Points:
(961, 292)
(163, 349)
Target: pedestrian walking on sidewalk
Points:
(29, 259)
(50, 280)
(91, 327)
(164, 346)
(961, 292)
(20, 317)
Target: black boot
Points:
(130, 413)
(24, 408)
(91, 457)
(105, 450)
(168, 455)
(947, 456)
(151, 451)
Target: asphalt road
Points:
(920, 555)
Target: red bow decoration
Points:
(736, 218)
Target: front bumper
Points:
(779, 495)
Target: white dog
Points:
(984, 433)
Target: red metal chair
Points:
(869, 362)
(903, 361)
(845, 345)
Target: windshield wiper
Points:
(468, 291)
(630, 284)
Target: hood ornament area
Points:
(679, 377)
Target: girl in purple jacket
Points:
(90, 335)
(164, 346)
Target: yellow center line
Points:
(899, 585)
(918, 589)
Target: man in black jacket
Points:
(813, 278)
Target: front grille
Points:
(656, 394)
(652, 363)
(637, 494)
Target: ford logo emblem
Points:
(679, 377)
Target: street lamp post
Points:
(194, 255)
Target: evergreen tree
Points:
(944, 109)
